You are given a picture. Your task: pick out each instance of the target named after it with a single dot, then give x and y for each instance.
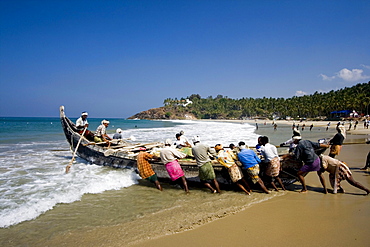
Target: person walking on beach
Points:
(227, 159)
(339, 171)
(207, 174)
(250, 163)
(337, 141)
(169, 156)
(271, 157)
(305, 152)
(145, 169)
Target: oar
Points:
(74, 153)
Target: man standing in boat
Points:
(145, 169)
(207, 174)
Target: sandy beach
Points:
(231, 218)
(311, 219)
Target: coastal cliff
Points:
(163, 113)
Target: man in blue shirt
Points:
(250, 163)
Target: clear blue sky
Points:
(117, 58)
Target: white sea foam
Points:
(33, 182)
(211, 133)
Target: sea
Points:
(39, 202)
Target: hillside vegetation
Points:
(318, 105)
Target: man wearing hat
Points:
(101, 132)
(81, 124)
(118, 134)
(207, 174)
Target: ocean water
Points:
(37, 196)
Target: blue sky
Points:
(117, 58)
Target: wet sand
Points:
(295, 219)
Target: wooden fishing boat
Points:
(120, 156)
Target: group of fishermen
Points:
(238, 160)
(242, 160)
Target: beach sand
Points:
(295, 219)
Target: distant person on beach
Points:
(305, 152)
(311, 126)
(207, 174)
(275, 126)
(327, 126)
(81, 124)
(227, 159)
(339, 171)
(169, 156)
(101, 132)
(271, 158)
(354, 126)
(118, 134)
(145, 169)
(337, 141)
(250, 163)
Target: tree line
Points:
(317, 105)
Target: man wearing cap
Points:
(145, 169)
(207, 174)
(305, 152)
(101, 132)
(169, 156)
